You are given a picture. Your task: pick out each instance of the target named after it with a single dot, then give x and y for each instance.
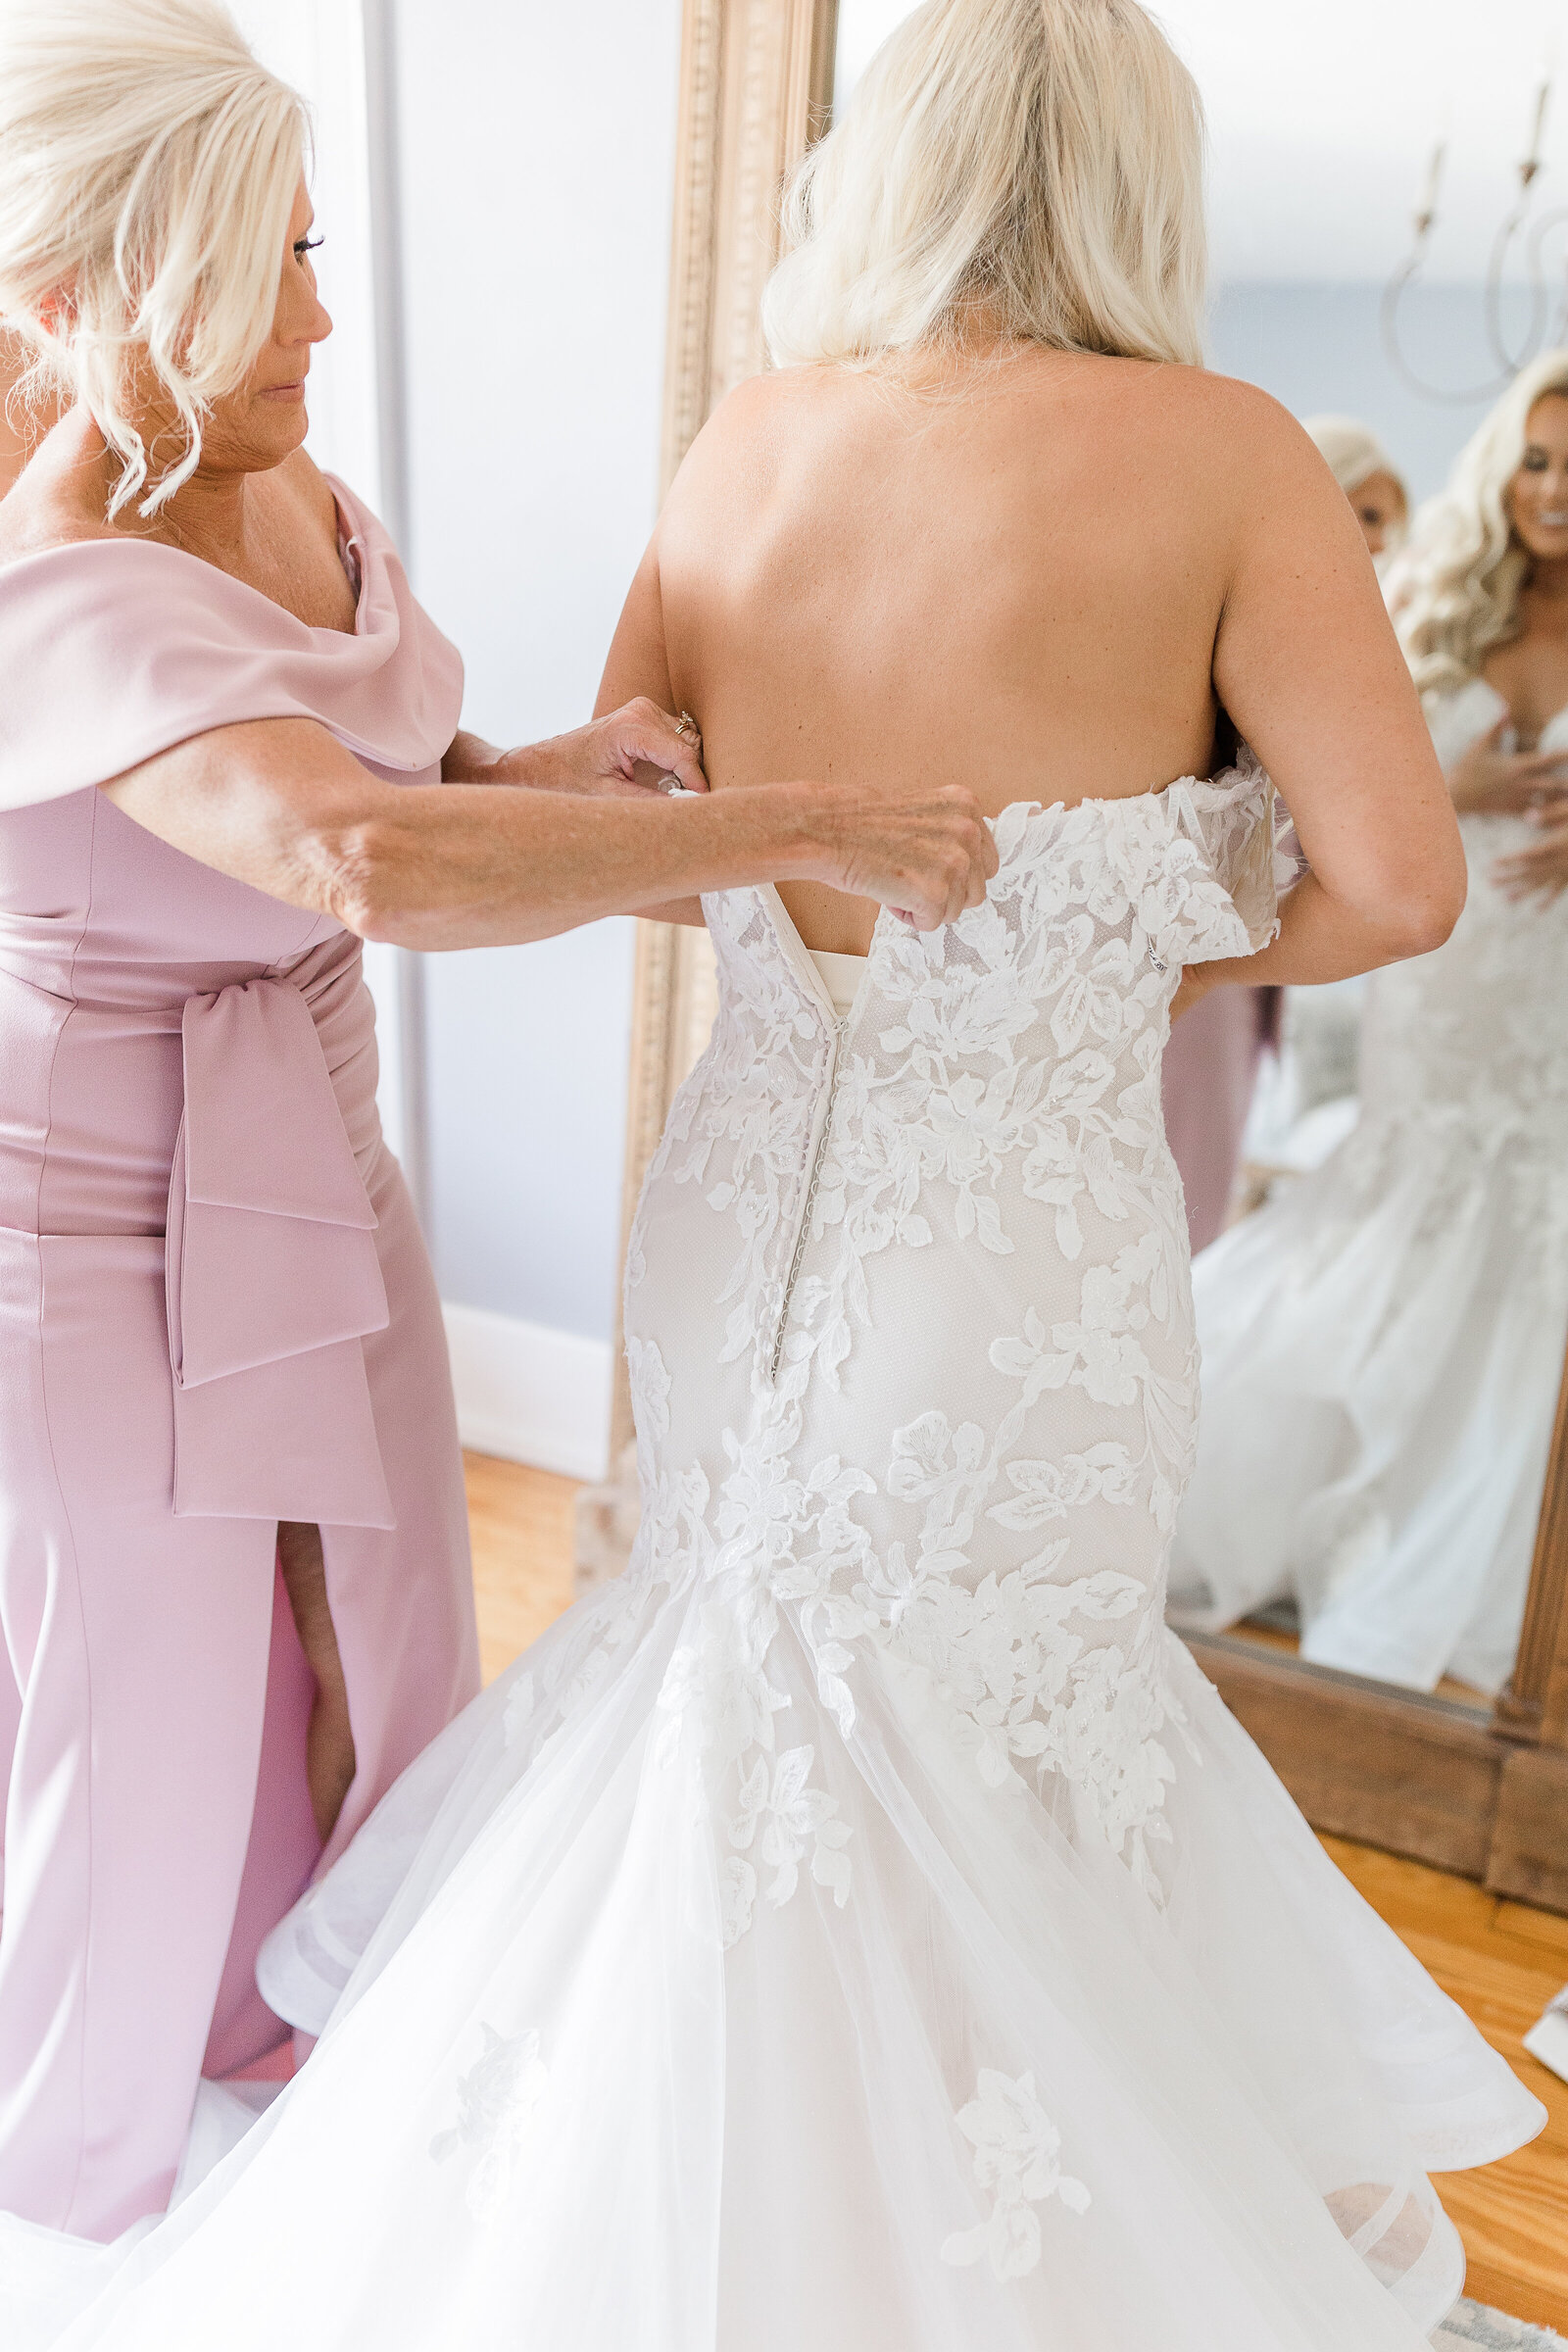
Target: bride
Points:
(1383, 1346)
(861, 1927)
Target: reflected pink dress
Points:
(215, 1313)
(1210, 1072)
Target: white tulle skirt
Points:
(997, 2102)
(1382, 1352)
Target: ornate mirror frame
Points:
(1473, 1788)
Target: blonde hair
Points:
(148, 166)
(1351, 452)
(1039, 159)
(1454, 591)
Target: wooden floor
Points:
(1500, 1961)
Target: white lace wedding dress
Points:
(860, 1929)
(1383, 1343)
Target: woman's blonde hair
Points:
(1352, 453)
(148, 165)
(1040, 161)
(1454, 591)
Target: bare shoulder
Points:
(47, 507)
(1217, 419)
(1242, 437)
(756, 420)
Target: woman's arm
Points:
(1307, 666)
(280, 804)
(625, 750)
(638, 663)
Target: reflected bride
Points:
(1383, 1343)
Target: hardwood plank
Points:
(1500, 1958)
(1544, 1931)
(1501, 1962)
(520, 1521)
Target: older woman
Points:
(1368, 477)
(229, 743)
(1383, 1346)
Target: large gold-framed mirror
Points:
(1453, 1775)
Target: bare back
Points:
(1041, 575)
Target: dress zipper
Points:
(817, 1157)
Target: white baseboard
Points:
(529, 1394)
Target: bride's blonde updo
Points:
(148, 165)
(1455, 590)
(1040, 162)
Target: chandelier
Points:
(1547, 320)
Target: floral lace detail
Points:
(1022, 1682)
(992, 1103)
(495, 2101)
(769, 1518)
(1017, 2151)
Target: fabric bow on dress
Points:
(273, 1276)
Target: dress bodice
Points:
(188, 1060)
(1072, 959)
(1463, 1066)
(113, 650)
(1471, 1035)
(1458, 716)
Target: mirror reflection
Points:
(1382, 1337)
(1375, 1170)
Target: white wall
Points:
(536, 148)
(1320, 347)
(536, 158)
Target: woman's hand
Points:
(927, 853)
(631, 750)
(1493, 782)
(1541, 871)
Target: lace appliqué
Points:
(1015, 1660)
(1002, 1071)
(495, 2101)
(1018, 2152)
(783, 1538)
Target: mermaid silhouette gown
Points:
(1383, 1344)
(861, 1925)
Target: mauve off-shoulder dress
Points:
(215, 1313)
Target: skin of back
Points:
(1041, 574)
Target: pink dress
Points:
(215, 1313)
(1210, 1072)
